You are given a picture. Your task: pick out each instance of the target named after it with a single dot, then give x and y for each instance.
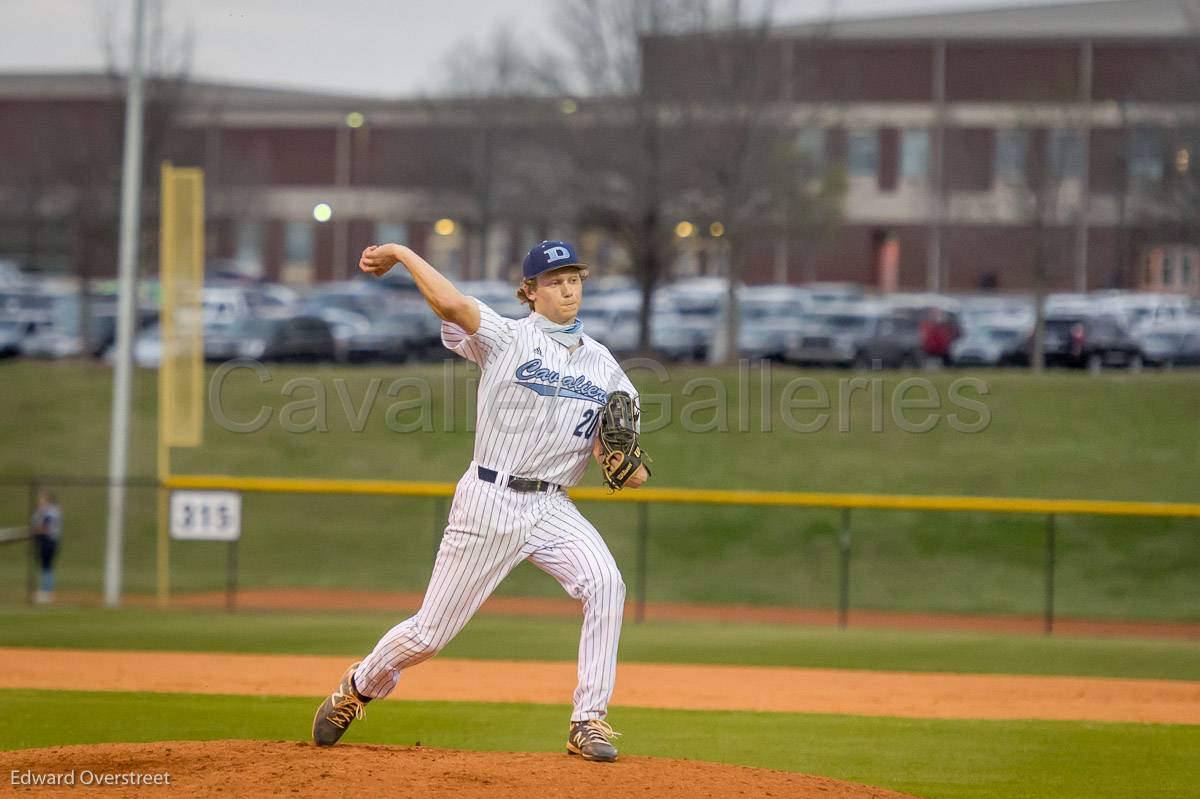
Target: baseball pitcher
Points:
(549, 397)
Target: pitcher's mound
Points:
(283, 769)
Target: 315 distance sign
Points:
(206, 515)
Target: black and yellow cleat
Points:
(592, 740)
(340, 708)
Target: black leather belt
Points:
(523, 484)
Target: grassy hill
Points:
(1065, 435)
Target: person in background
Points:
(46, 527)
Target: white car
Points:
(988, 345)
(224, 305)
(1142, 310)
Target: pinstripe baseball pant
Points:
(490, 530)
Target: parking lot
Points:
(818, 324)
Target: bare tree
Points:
(693, 85)
(750, 170)
(499, 95)
(1050, 162)
(626, 174)
(83, 158)
(810, 197)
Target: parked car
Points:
(12, 333)
(222, 339)
(1169, 346)
(857, 335)
(344, 325)
(937, 316)
(395, 338)
(224, 305)
(822, 295)
(770, 319)
(1086, 340)
(498, 295)
(1072, 303)
(988, 345)
(147, 348)
(62, 337)
(296, 338)
(680, 337)
(615, 325)
(605, 285)
(939, 329)
(358, 297)
(11, 274)
(1144, 309)
(1006, 311)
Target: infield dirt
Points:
(279, 768)
(654, 685)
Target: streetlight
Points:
(685, 229)
(322, 212)
(444, 227)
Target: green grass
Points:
(510, 638)
(1060, 435)
(935, 758)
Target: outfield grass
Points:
(508, 638)
(935, 758)
(1060, 435)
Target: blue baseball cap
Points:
(549, 255)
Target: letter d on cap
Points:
(557, 254)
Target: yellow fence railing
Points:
(701, 496)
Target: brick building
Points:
(977, 146)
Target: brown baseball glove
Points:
(620, 452)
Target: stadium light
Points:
(322, 212)
(355, 119)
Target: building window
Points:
(298, 243)
(1144, 155)
(810, 146)
(864, 153)
(248, 250)
(387, 232)
(914, 155)
(1011, 149)
(1064, 152)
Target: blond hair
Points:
(531, 283)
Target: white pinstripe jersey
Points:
(539, 404)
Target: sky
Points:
(384, 48)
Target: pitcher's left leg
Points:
(566, 546)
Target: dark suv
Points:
(1091, 341)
